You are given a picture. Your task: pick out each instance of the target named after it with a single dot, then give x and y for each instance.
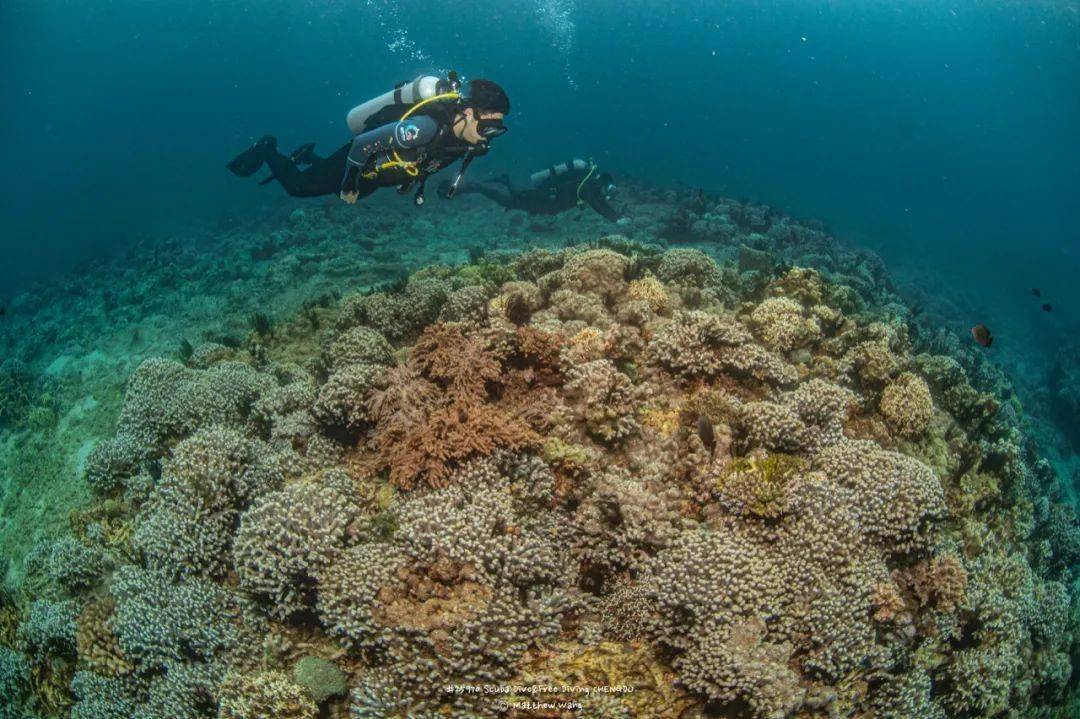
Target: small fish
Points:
(1036, 291)
(705, 432)
(1047, 307)
(3, 311)
(981, 334)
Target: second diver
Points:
(575, 183)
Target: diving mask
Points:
(489, 129)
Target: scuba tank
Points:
(422, 88)
(561, 169)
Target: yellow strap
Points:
(410, 167)
(592, 169)
(433, 98)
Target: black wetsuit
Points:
(333, 175)
(555, 194)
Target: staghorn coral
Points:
(468, 305)
(341, 400)
(158, 622)
(358, 345)
(68, 563)
(651, 291)
(896, 498)
(597, 272)
(98, 697)
(683, 266)
(603, 399)
(14, 683)
(186, 526)
(467, 585)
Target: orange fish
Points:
(981, 334)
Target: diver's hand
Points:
(349, 197)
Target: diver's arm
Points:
(596, 200)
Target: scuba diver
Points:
(401, 137)
(558, 188)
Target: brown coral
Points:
(939, 582)
(439, 410)
(98, 649)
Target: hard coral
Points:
(711, 490)
(440, 411)
(289, 536)
(597, 272)
(270, 694)
(696, 344)
(782, 326)
(906, 405)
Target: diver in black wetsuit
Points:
(558, 188)
(402, 138)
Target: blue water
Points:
(942, 134)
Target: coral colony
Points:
(601, 478)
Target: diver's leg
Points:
(323, 177)
(494, 191)
(305, 155)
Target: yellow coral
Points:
(664, 420)
(650, 290)
(648, 683)
(758, 485)
(780, 324)
(271, 694)
(906, 405)
(585, 346)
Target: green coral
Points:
(758, 484)
(320, 677)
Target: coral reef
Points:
(738, 485)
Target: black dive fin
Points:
(248, 162)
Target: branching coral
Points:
(559, 472)
(270, 694)
(781, 324)
(439, 411)
(289, 536)
(696, 344)
(906, 405)
(603, 399)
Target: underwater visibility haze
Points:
(739, 378)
